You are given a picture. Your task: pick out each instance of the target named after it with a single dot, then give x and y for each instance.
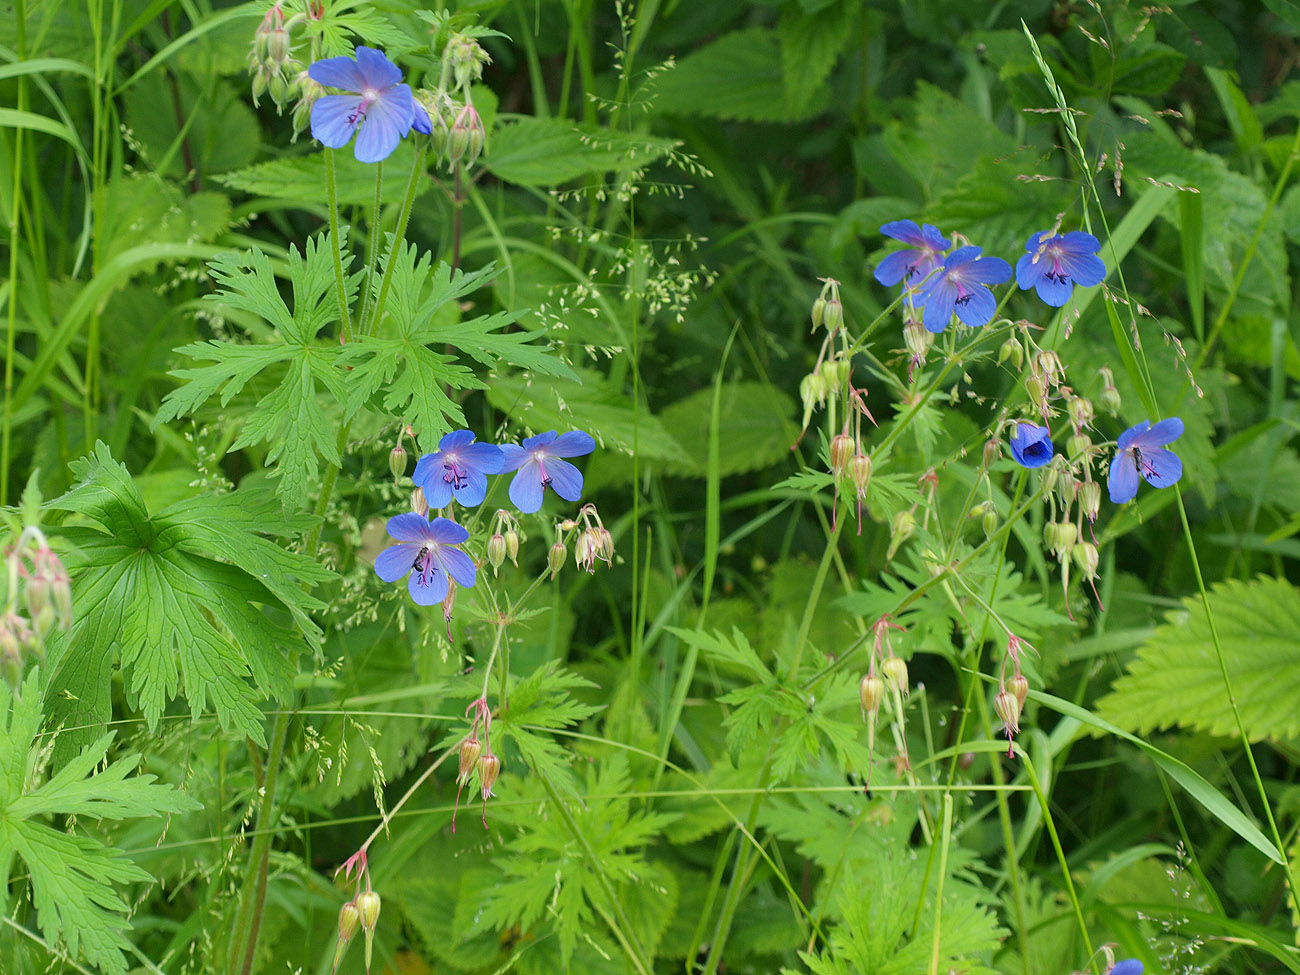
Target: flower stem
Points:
(399, 233)
(373, 243)
(331, 189)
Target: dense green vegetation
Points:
(567, 486)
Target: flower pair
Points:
(1139, 450)
(459, 469)
(958, 282)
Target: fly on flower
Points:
(428, 552)
(961, 285)
(912, 266)
(539, 466)
(1031, 444)
(1052, 266)
(381, 111)
(1141, 449)
(458, 470)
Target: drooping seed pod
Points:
(895, 670)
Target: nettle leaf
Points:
(73, 877)
(422, 315)
(755, 429)
(179, 599)
(810, 46)
(290, 418)
(300, 178)
(1175, 679)
(538, 702)
(531, 151)
(737, 77)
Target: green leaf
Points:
(179, 598)
(737, 77)
(301, 179)
(811, 43)
(73, 877)
(546, 152)
(1175, 679)
(755, 429)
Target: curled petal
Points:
(421, 123)
(1123, 481)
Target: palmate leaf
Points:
(177, 598)
(1175, 679)
(72, 877)
(289, 418)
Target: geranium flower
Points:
(1054, 265)
(1129, 966)
(382, 107)
(1140, 449)
(1031, 445)
(538, 464)
(961, 286)
(458, 470)
(911, 266)
(427, 551)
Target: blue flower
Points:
(911, 266)
(538, 464)
(381, 101)
(961, 286)
(1130, 966)
(458, 470)
(428, 551)
(1054, 265)
(1031, 445)
(1141, 449)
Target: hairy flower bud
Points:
(1020, 688)
(470, 750)
(465, 141)
(584, 551)
(871, 691)
(489, 767)
(1081, 412)
(1013, 350)
(859, 470)
(989, 520)
(368, 907)
(496, 551)
(1037, 390)
(397, 462)
(918, 340)
(1007, 707)
(1078, 445)
(1088, 494)
(1048, 364)
(900, 530)
(833, 315)
(349, 922)
(555, 558)
(1086, 557)
(512, 545)
(841, 450)
(604, 543)
(895, 670)
(1109, 400)
(818, 312)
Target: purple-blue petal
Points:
(457, 438)
(1164, 432)
(978, 307)
(437, 490)
(334, 119)
(1031, 444)
(339, 72)
(421, 123)
(388, 119)
(1129, 966)
(1129, 437)
(1054, 291)
(1085, 270)
(379, 72)
(575, 443)
(1080, 242)
(1028, 271)
(986, 270)
(905, 230)
(933, 239)
(962, 255)
(430, 592)
(395, 561)
(894, 268)
(938, 299)
(566, 480)
(526, 489)
(486, 457)
(1035, 239)
(513, 457)
(541, 440)
(1123, 480)
(447, 532)
(1160, 467)
(410, 527)
(473, 491)
(458, 565)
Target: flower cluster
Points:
(428, 549)
(939, 284)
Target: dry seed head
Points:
(1081, 412)
(841, 450)
(470, 750)
(1007, 707)
(349, 922)
(1020, 688)
(1088, 494)
(489, 767)
(871, 691)
(1086, 557)
(860, 472)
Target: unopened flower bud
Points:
(349, 923)
(489, 767)
(1078, 445)
(555, 558)
(871, 691)
(397, 461)
(1081, 412)
(900, 530)
(1013, 350)
(496, 551)
(259, 85)
(1020, 688)
(833, 315)
(841, 450)
(918, 340)
(11, 660)
(1109, 400)
(859, 471)
(512, 546)
(989, 520)
(465, 141)
(1088, 494)
(470, 750)
(418, 503)
(830, 372)
(1037, 391)
(1007, 707)
(818, 313)
(895, 670)
(1086, 557)
(278, 43)
(278, 87)
(368, 907)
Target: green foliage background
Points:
(688, 781)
